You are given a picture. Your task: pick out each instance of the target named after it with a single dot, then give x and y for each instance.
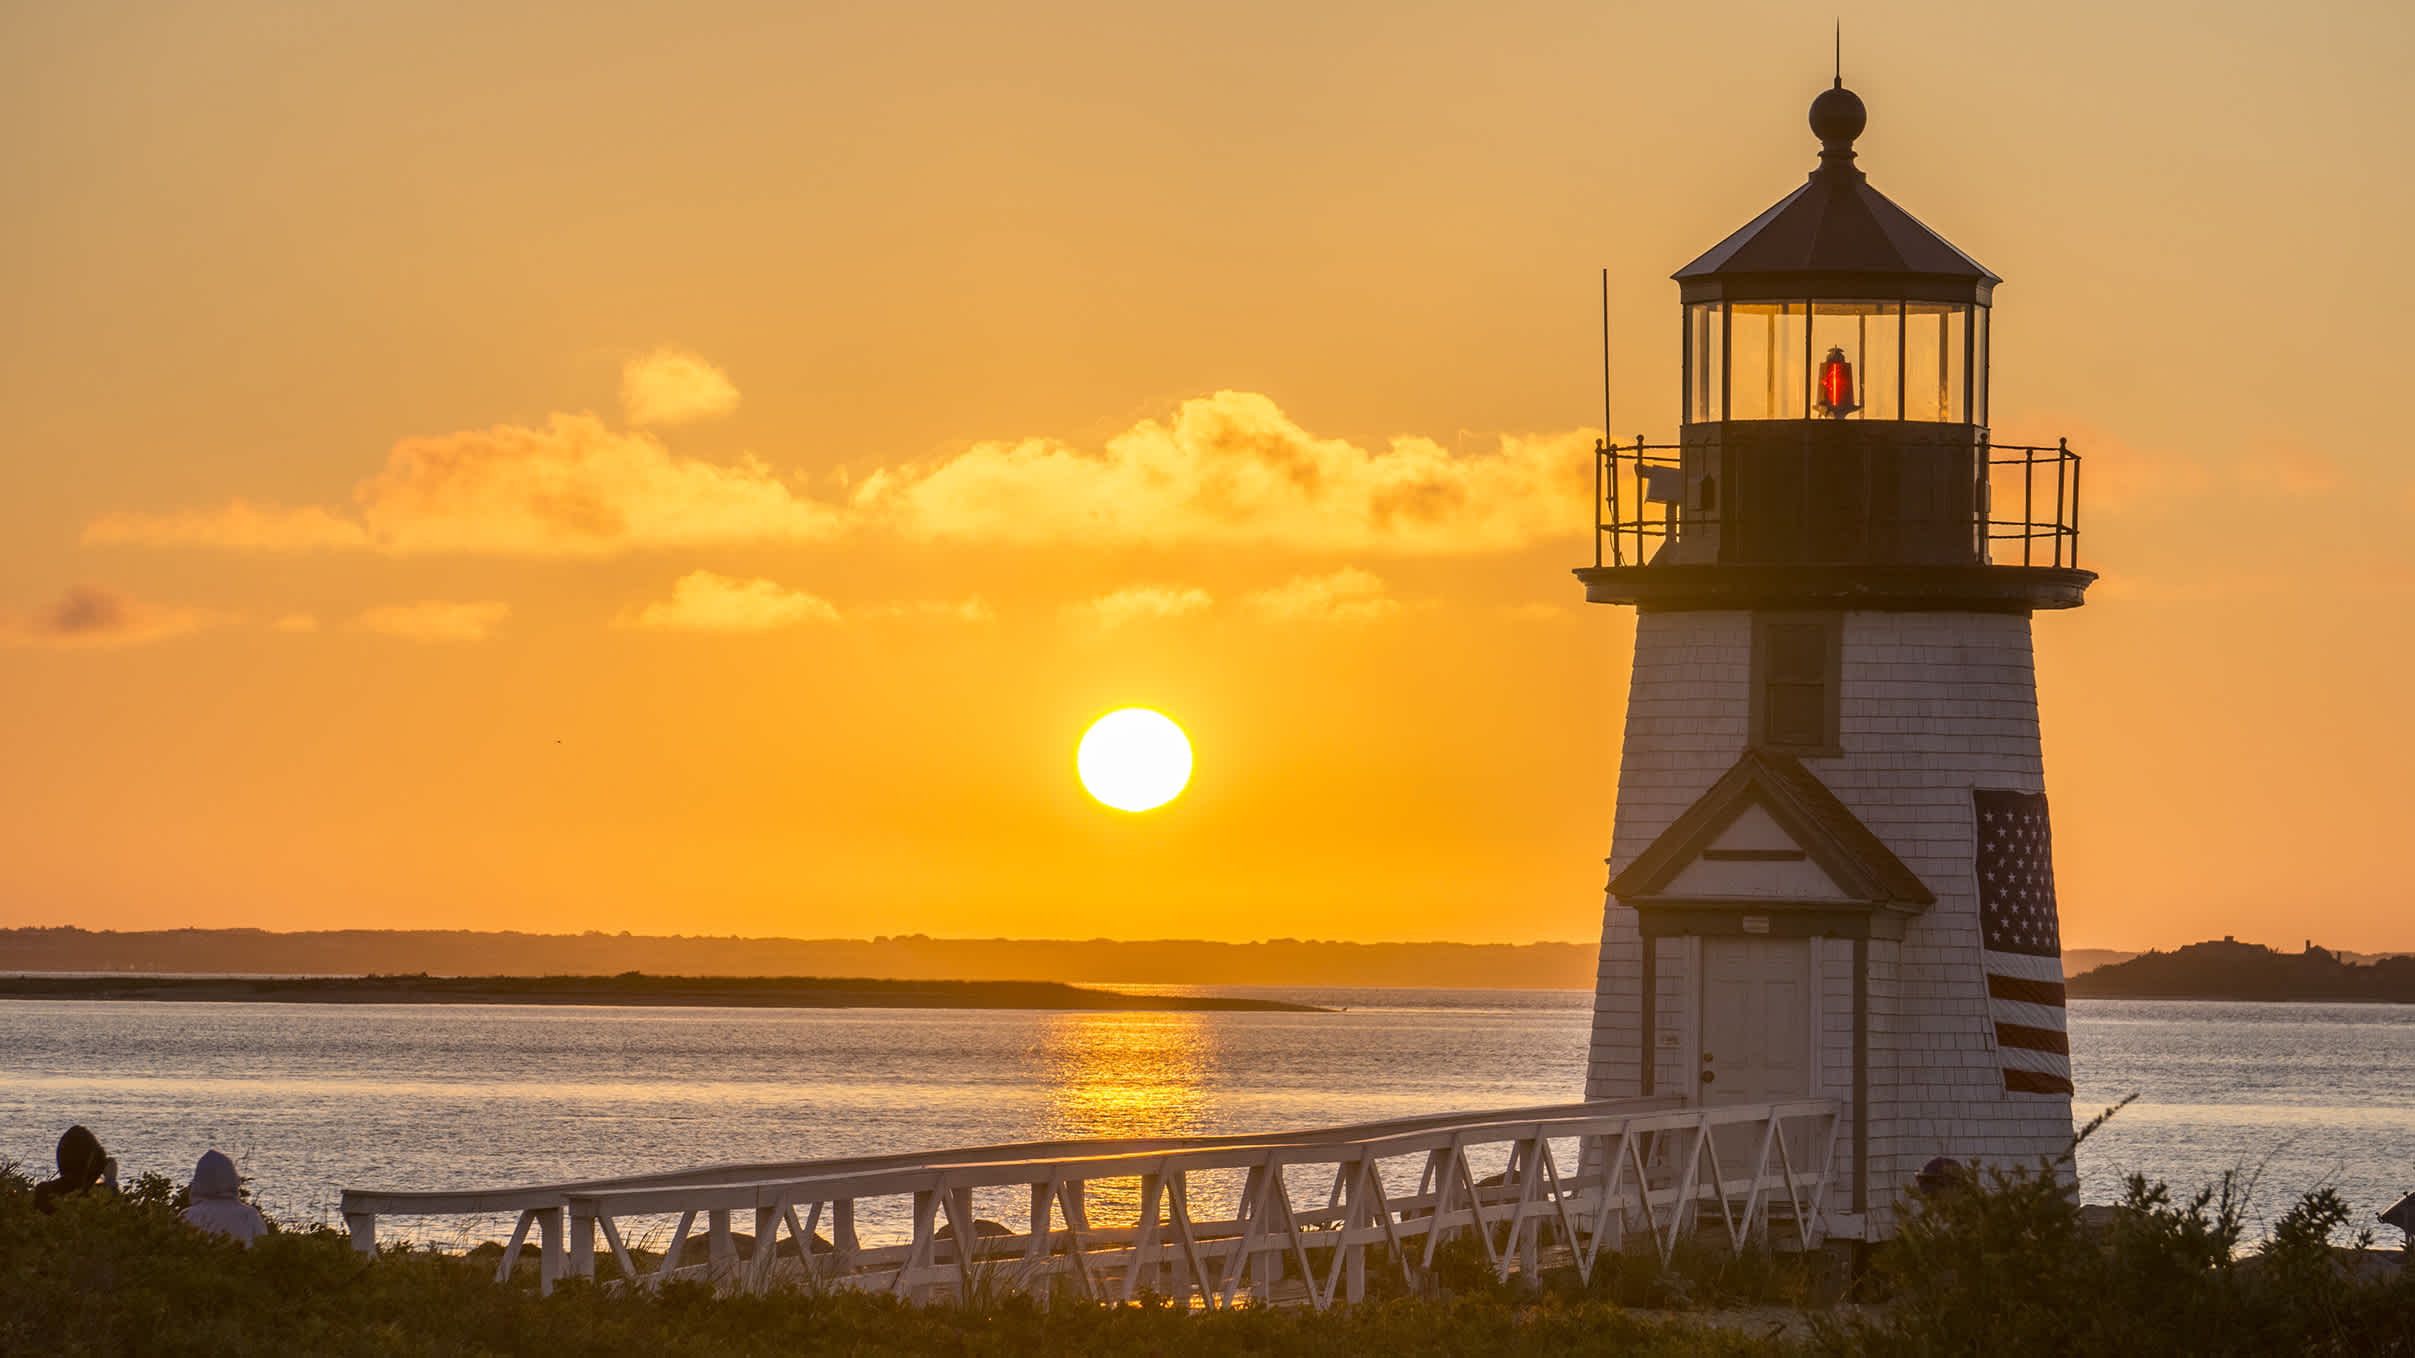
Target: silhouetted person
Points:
(216, 1207)
(82, 1164)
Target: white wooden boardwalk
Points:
(1208, 1221)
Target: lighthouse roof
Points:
(1836, 236)
(1801, 808)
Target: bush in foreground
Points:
(122, 1275)
(2010, 1266)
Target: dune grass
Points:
(2010, 1266)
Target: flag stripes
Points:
(2021, 945)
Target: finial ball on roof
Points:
(1838, 116)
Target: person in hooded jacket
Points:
(216, 1207)
(82, 1164)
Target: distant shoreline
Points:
(1288, 962)
(634, 989)
(2239, 999)
(2245, 973)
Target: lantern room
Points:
(1834, 372)
(1835, 358)
(1836, 304)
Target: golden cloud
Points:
(1534, 611)
(974, 609)
(670, 387)
(1232, 470)
(702, 601)
(2290, 470)
(574, 488)
(2120, 476)
(1139, 603)
(296, 622)
(436, 620)
(241, 525)
(88, 616)
(1225, 470)
(1347, 595)
(571, 488)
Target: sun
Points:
(1134, 759)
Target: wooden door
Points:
(1758, 1020)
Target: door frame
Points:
(1695, 920)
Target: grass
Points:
(2009, 1267)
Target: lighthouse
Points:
(1831, 868)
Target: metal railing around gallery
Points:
(1205, 1221)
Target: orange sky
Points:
(698, 469)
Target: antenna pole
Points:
(1605, 462)
(1840, 51)
(1605, 354)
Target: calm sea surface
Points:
(310, 1099)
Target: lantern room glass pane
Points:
(1936, 361)
(1769, 366)
(1979, 365)
(1864, 337)
(1706, 359)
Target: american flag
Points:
(2021, 945)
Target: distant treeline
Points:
(630, 988)
(356, 952)
(2230, 970)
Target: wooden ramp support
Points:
(1206, 1221)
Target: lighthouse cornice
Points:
(1877, 587)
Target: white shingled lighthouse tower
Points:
(1831, 874)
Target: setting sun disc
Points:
(1134, 759)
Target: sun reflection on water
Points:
(1124, 1076)
(1128, 1075)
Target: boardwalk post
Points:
(581, 1263)
(720, 1249)
(842, 1228)
(549, 1248)
(767, 1244)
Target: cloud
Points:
(2120, 475)
(571, 488)
(2123, 477)
(88, 616)
(1347, 595)
(437, 620)
(574, 488)
(241, 525)
(1233, 470)
(1139, 603)
(296, 622)
(1534, 611)
(702, 601)
(975, 609)
(669, 387)
(1229, 470)
(2290, 470)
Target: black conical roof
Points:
(1836, 232)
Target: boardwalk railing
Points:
(1210, 1221)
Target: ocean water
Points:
(312, 1099)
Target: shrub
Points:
(122, 1275)
(2011, 1265)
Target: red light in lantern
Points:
(1836, 385)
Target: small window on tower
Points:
(1796, 666)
